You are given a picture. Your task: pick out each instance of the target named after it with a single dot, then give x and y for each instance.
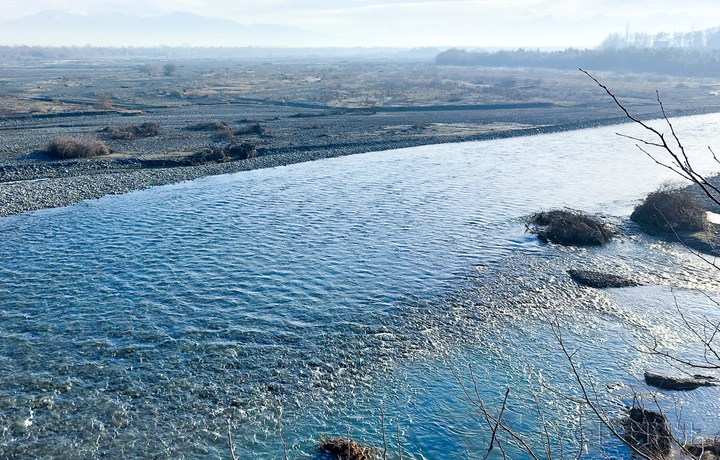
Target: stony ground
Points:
(291, 112)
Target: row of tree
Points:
(707, 39)
(666, 61)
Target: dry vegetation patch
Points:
(213, 125)
(570, 227)
(252, 128)
(344, 449)
(65, 148)
(671, 210)
(219, 129)
(147, 129)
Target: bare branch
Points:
(679, 161)
(382, 424)
(230, 442)
(279, 419)
(397, 427)
(497, 424)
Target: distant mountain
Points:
(59, 28)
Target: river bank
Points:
(291, 112)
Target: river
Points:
(134, 326)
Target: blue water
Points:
(134, 326)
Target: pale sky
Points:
(408, 23)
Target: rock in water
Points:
(600, 280)
(678, 383)
(648, 431)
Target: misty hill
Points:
(58, 28)
(662, 61)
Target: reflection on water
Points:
(135, 325)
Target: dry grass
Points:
(569, 227)
(65, 148)
(104, 102)
(344, 449)
(240, 151)
(213, 125)
(220, 130)
(147, 129)
(252, 128)
(670, 210)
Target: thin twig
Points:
(397, 427)
(497, 424)
(230, 442)
(279, 418)
(520, 442)
(592, 402)
(680, 162)
(382, 424)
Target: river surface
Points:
(297, 301)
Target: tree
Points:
(169, 69)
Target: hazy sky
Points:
(529, 23)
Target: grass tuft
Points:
(147, 129)
(213, 125)
(671, 210)
(252, 128)
(65, 148)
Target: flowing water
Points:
(296, 301)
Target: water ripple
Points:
(135, 325)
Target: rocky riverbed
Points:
(289, 117)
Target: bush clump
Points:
(240, 151)
(344, 449)
(671, 210)
(147, 129)
(209, 155)
(252, 128)
(75, 148)
(569, 227)
(213, 125)
(220, 130)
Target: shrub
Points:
(104, 102)
(209, 126)
(147, 129)
(169, 69)
(148, 69)
(75, 148)
(220, 129)
(670, 210)
(345, 449)
(570, 227)
(252, 128)
(240, 151)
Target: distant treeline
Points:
(664, 61)
(168, 52)
(79, 52)
(700, 40)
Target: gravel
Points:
(31, 186)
